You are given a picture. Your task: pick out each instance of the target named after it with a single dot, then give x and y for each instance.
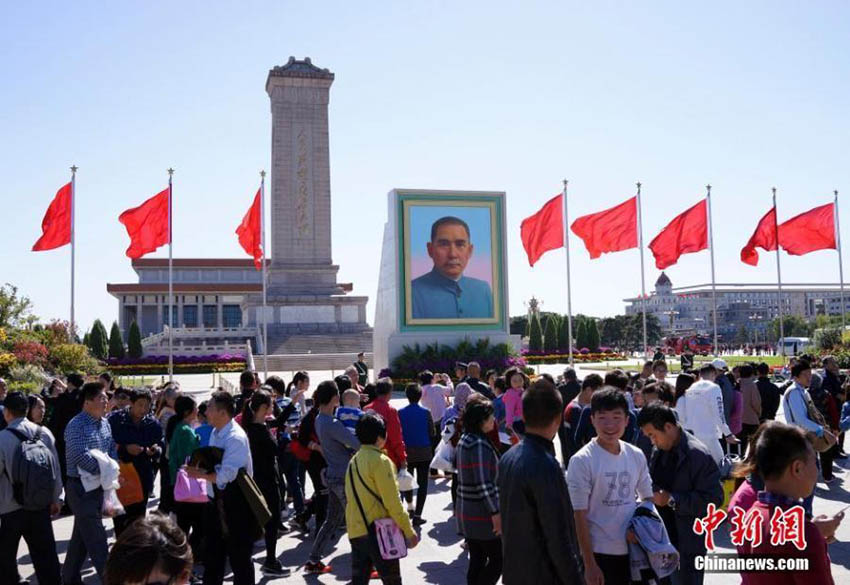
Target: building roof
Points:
(753, 287)
(184, 287)
(196, 263)
(153, 288)
(663, 280)
(296, 68)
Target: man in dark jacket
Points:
(538, 533)
(138, 436)
(474, 381)
(65, 407)
(769, 393)
(685, 479)
(832, 384)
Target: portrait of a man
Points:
(445, 292)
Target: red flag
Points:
(764, 237)
(809, 231)
(544, 230)
(56, 225)
(147, 225)
(688, 232)
(611, 230)
(249, 232)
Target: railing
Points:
(203, 349)
(177, 333)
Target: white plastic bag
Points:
(406, 481)
(111, 504)
(444, 458)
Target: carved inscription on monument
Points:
(302, 188)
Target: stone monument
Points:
(308, 311)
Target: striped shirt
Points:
(84, 433)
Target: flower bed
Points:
(442, 358)
(183, 364)
(559, 357)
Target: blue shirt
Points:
(349, 416)
(499, 412)
(83, 434)
(416, 425)
(204, 431)
(438, 297)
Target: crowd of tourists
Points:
(643, 461)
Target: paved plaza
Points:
(439, 558)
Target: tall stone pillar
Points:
(301, 182)
(303, 293)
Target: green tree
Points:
(98, 340)
(550, 333)
(535, 335)
(134, 341)
(116, 343)
(87, 339)
(564, 334)
(592, 335)
(581, 334)
(14, 309)
(794, 326)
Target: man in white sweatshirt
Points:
(700, 411)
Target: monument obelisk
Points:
(304, 297)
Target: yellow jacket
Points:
(379, 474)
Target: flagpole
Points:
(779, 280)
(713, 285)
(569, 296)
(840, 263)
(642, 273)
(73, 202)
(170, 289)
(263, 244)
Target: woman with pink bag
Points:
(373, 513)
(182, 442)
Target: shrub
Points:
(535, 334)
(28, 373)
(98, 340)
(73, 357)
(116, 343)
(30, 352)
(592, 335)
(441, 358)
(828, 338)
(56, 333)
(7, 360)
(25, 387)
(134, 341)
(550, 333)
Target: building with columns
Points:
(689, 309)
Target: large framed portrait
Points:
(452, 260)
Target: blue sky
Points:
(436, 95)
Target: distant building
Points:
(210, 300)
(688, 310)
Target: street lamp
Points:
(755, 318)
(672, 314)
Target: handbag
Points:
(130, 491)
(254, 497)
(825, 441)
(190, 490)
(391, 542)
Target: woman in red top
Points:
(787, 464)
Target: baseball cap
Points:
(719, 364)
